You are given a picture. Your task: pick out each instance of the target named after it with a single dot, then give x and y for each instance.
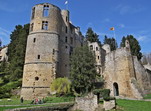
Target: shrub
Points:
(105, 93)
(61, 86)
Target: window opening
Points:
(46, 11)
(44, 25)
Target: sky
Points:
(126, 16)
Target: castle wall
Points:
(142, 77)
(48, 49)
(42, 51)
(119, 70)
(99, 56)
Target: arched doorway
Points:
(116, 90)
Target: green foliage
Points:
(16, 51)
(5, 90)
(61, 86)
(111, 41)
(105, 93)
(134, 46)
(83, 70)
(97, 91)
(92, 37)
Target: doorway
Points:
(116, 89)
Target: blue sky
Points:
(127, 16)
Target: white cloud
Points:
(121, 25)
(4, 35)
(125, 9)
(142, 38)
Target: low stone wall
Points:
(108, 105)
(88, 103)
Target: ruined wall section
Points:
(119, 69)
(99, 54)
(142, 77)
(69, 39)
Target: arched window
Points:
(115, 89)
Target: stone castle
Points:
(52, 40)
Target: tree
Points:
(61, 86)
(83, 71)
(92, 37)
(134, 46)
(111, 41)
(16, 51)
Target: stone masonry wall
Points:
(119, 69)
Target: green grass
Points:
(37, 106)
(58, 99)
(133, 105)
(16, 101)
(147, 96)
(13, 102)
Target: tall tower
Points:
(42, 49)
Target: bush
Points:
(109, 98)
(105, 93)
(5, 90)
(61, 86)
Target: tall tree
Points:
(111, 41)
(134, 46)
(83, 70)
(16, 51)
(91, 36)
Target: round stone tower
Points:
(42, 51)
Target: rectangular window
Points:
(34, 40)
(96, 48)
(44, 25)
(33, 13)
(91, 47)
(66, 19)
(66, 39)
(53, 51)
(71, 50)
(38, 56)
(98, 57)
(71, 40)
(46, 11)
(66, 29)
(31, 27)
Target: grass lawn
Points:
(58, 99)
(13, 101)
(16, 101)
(57, 106)
(133, 105)
(26, 104)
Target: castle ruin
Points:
(52, 40)
(50, 43)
